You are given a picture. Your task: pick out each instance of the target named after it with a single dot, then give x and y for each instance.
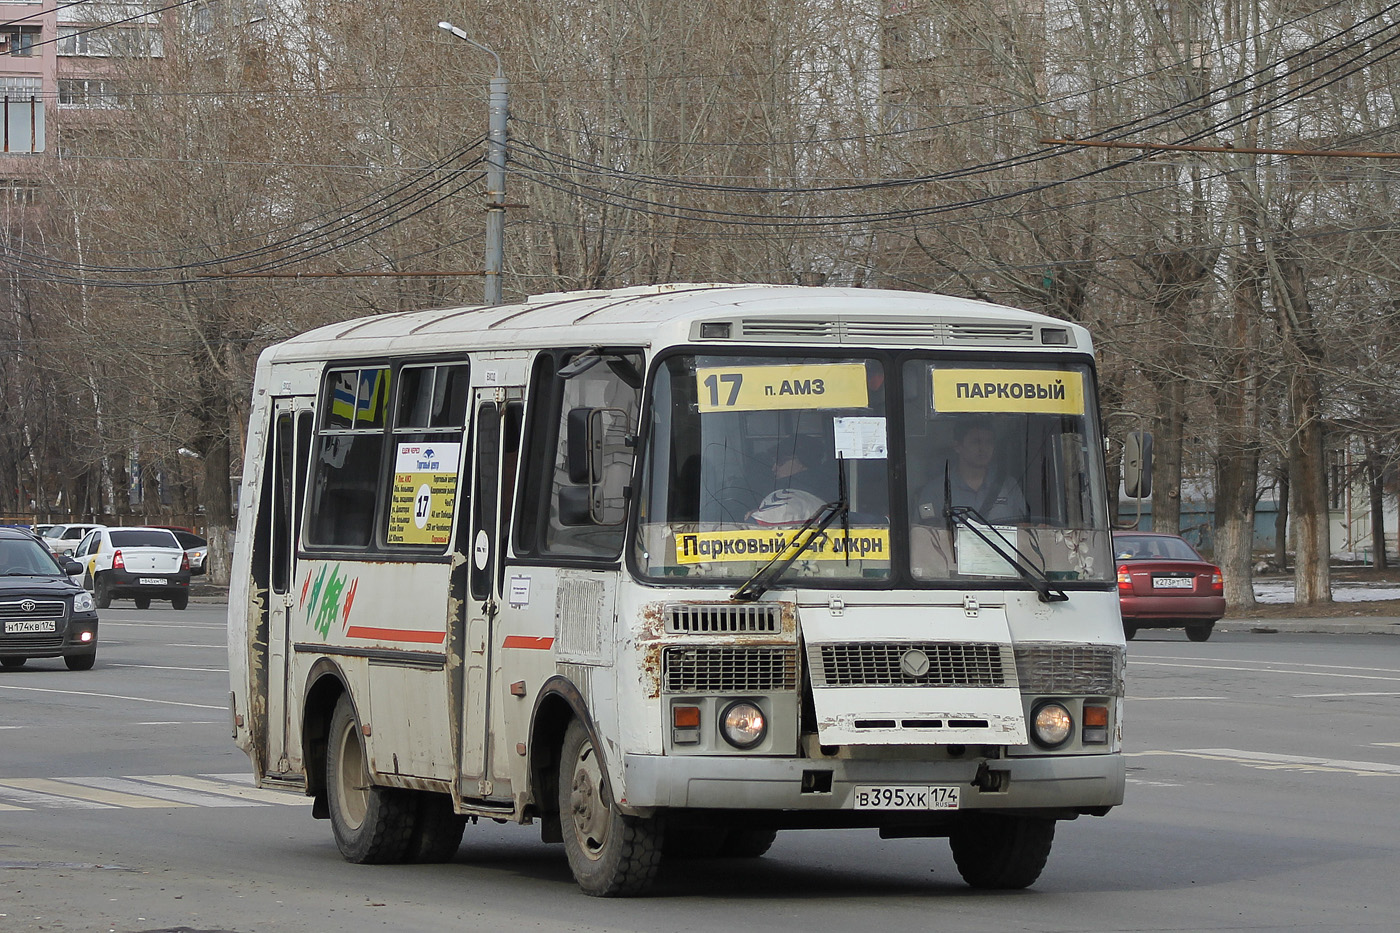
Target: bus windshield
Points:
(981, 474)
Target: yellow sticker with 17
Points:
(768, 388)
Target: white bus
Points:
(670, 569)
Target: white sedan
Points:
(134, 563)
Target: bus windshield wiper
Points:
(1047, 591)
(812, 529)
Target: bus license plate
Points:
(36, 625)
(1171, 583)
(905, 797)
(152, 581)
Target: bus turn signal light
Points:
(685, 725)
(1095, 725)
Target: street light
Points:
(495, 169)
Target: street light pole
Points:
(499, 109)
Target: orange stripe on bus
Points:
(396, 634)
(528, 641)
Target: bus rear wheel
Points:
(1001, 852)
(437, 831)
(372, 825)
(610, 854)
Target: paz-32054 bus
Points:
(667, 570)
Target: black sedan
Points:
(43, 614)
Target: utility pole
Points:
(499, 107)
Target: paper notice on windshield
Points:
(977, 558)
(861, 438)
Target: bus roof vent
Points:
(791, 328)
(987, 333)
(870, 331)
(705, 619)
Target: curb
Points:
(1376, 625)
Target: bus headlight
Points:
(1052, 725)
(743, 724)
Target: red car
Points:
(1164, 583)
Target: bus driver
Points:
(972, 478)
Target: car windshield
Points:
(26, 558)
(144, 537)
(1152, 547)
(979, 475)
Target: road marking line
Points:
(136, 789)
(285, 799)
(48, 801)
(1140, 699)
(110, 799)
(1325, 696)
(112, 696)
(1205, 662)
(1271, 670)
(1271, 761)
(196, 670)
(177, 645)
(5, 807)
(181, 722)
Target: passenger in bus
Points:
(971, 477)
(805, 482)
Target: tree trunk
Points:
(1166, 459)
(1281, 521)
(1375, 481)
(1312, 581)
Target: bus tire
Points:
(1001, 852)
(437, 831)
(686, 842)
(748, 843)
(610, 854)
(372, 825)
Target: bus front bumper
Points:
(1081, 783)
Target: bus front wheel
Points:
(1001, 852)
(610, 854)
(371, 824)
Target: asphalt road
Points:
(1263, 780)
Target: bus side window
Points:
(573, 508)
(348, 458)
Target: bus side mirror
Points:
(1137, 464)
(575, 506)
(577, 447)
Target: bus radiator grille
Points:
(911, 664)
(729, 670)
(1074, 670)
(700, 619)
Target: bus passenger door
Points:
(496, 445)
(290, 442)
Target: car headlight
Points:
(743, 724)
(83, 602)
(1052, 725)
